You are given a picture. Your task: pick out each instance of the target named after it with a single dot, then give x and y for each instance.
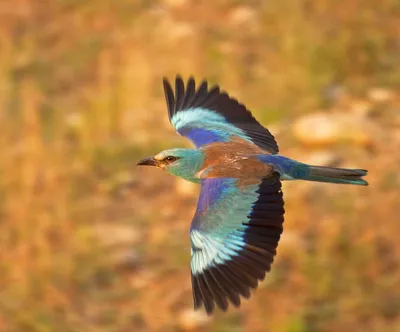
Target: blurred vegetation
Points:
(90, 243)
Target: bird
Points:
(239, 217)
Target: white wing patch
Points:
(208, 251)
(201, 118)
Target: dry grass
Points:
(80, 101)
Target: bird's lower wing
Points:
(234, 235)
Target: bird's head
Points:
(184, 163)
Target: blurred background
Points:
(89, 242)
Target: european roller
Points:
(239, 217)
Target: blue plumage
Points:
(228, 226)
(205, 126)
(290, 169)
(201, 136)
(213, 190)
(240, 212)
(214, 111)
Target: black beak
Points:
(148, 162)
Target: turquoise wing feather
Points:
(234, 235)
(209, 115)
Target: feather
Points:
(213, 111)
(230, 254)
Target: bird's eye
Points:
(170, 158)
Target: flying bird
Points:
(239, 217)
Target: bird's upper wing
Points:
(234, 235)
(208, 115)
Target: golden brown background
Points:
(91, 243)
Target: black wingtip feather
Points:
(197, 299)
(189, 93)
(169, 97)
(200, 95)
(179, 92)
(225, 283)
(207, 297)
(212, 98)
(216, 289)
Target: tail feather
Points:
(293, 170)
(336, 175)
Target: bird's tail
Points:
(336, 175)
(294, 170)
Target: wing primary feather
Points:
(270, 232)
(266, 243)
(258, 274)
(233, 283)
(216, 289)
(268, 192)
(253, 238)
(211, 283)
(201, 94)
(264, 252)
(212, 97)
(241, 275)
(239, 285)
(273, 215)
(205, 300)
(256, 258)
(169, 97)
(255, 262)
(267, 204)
(273, 207)
(180, 91)
(189, 93)
(247, 265)
(259, 222)
(207, 297)
(226, 284)
(260, 137)
(197, 297)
